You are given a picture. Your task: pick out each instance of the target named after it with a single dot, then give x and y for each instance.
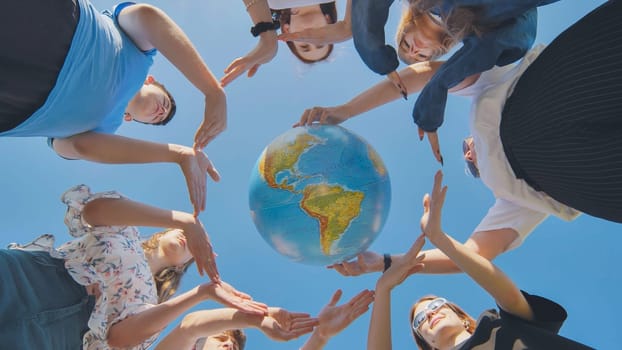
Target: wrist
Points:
(387, 260)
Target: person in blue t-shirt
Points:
(77, 74)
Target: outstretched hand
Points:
(334, 319)
(225, 294)
(201, 249)
(324, 35)
(214, 119)
(323, 115)
(262, 53)
(411, 263)
(365, 262)
(433, 139)
(195, 164)
(432, 208)
(282, 325)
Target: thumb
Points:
(253, 70)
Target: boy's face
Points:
(220, 342)
(152, 104)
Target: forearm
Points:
(126, 212)
(138, 327)
(205, 323)
(259, 11)
(315, 342)
(379, 334)
(485, 273)
(153, 26)
(414, 77)
(114, 149)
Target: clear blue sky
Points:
(572, 263)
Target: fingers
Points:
(421, 133)
(397, 81)
(436, 149)
(211, 169)
(233, 70)
(335, 298)
(339, 268)
(252, 307)
(416, 247)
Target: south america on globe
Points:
(319, 194)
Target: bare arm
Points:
(480, 269)
(488, 244)
(138, 327)
(204, 323)
(263, 52)
(125, 212)
(149, 27)
(114, 149)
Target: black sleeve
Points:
(548, 315)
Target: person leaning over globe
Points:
(556, 150)
(77, 74)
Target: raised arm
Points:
(114, 149)
(125, 212)
(379, 335)
(263, 52)
(149, 27)
(140, 326)
(328, 34)
(480, 269)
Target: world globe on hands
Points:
(319, 194)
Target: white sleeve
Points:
(505, 214)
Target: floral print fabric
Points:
(111, 257)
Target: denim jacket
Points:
(514, 34)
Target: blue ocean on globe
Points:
(319, 194)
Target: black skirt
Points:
(561, 128)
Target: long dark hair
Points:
(284, 16)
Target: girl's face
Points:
(304, 18)
(439, 324)
(175, 248)
(421, 40)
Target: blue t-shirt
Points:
(103, 70)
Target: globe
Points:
(319, 194)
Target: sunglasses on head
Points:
(422, 315)
(470, 165)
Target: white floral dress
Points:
(112, 257)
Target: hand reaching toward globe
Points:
(365, 262)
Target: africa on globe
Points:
(319, 194)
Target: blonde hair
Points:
(168, 279)
(459, 22)
(411, 18)
(422, 344)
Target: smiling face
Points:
(300, 18)
(420, 38)
(439, 325)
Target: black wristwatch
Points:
(264, 27)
